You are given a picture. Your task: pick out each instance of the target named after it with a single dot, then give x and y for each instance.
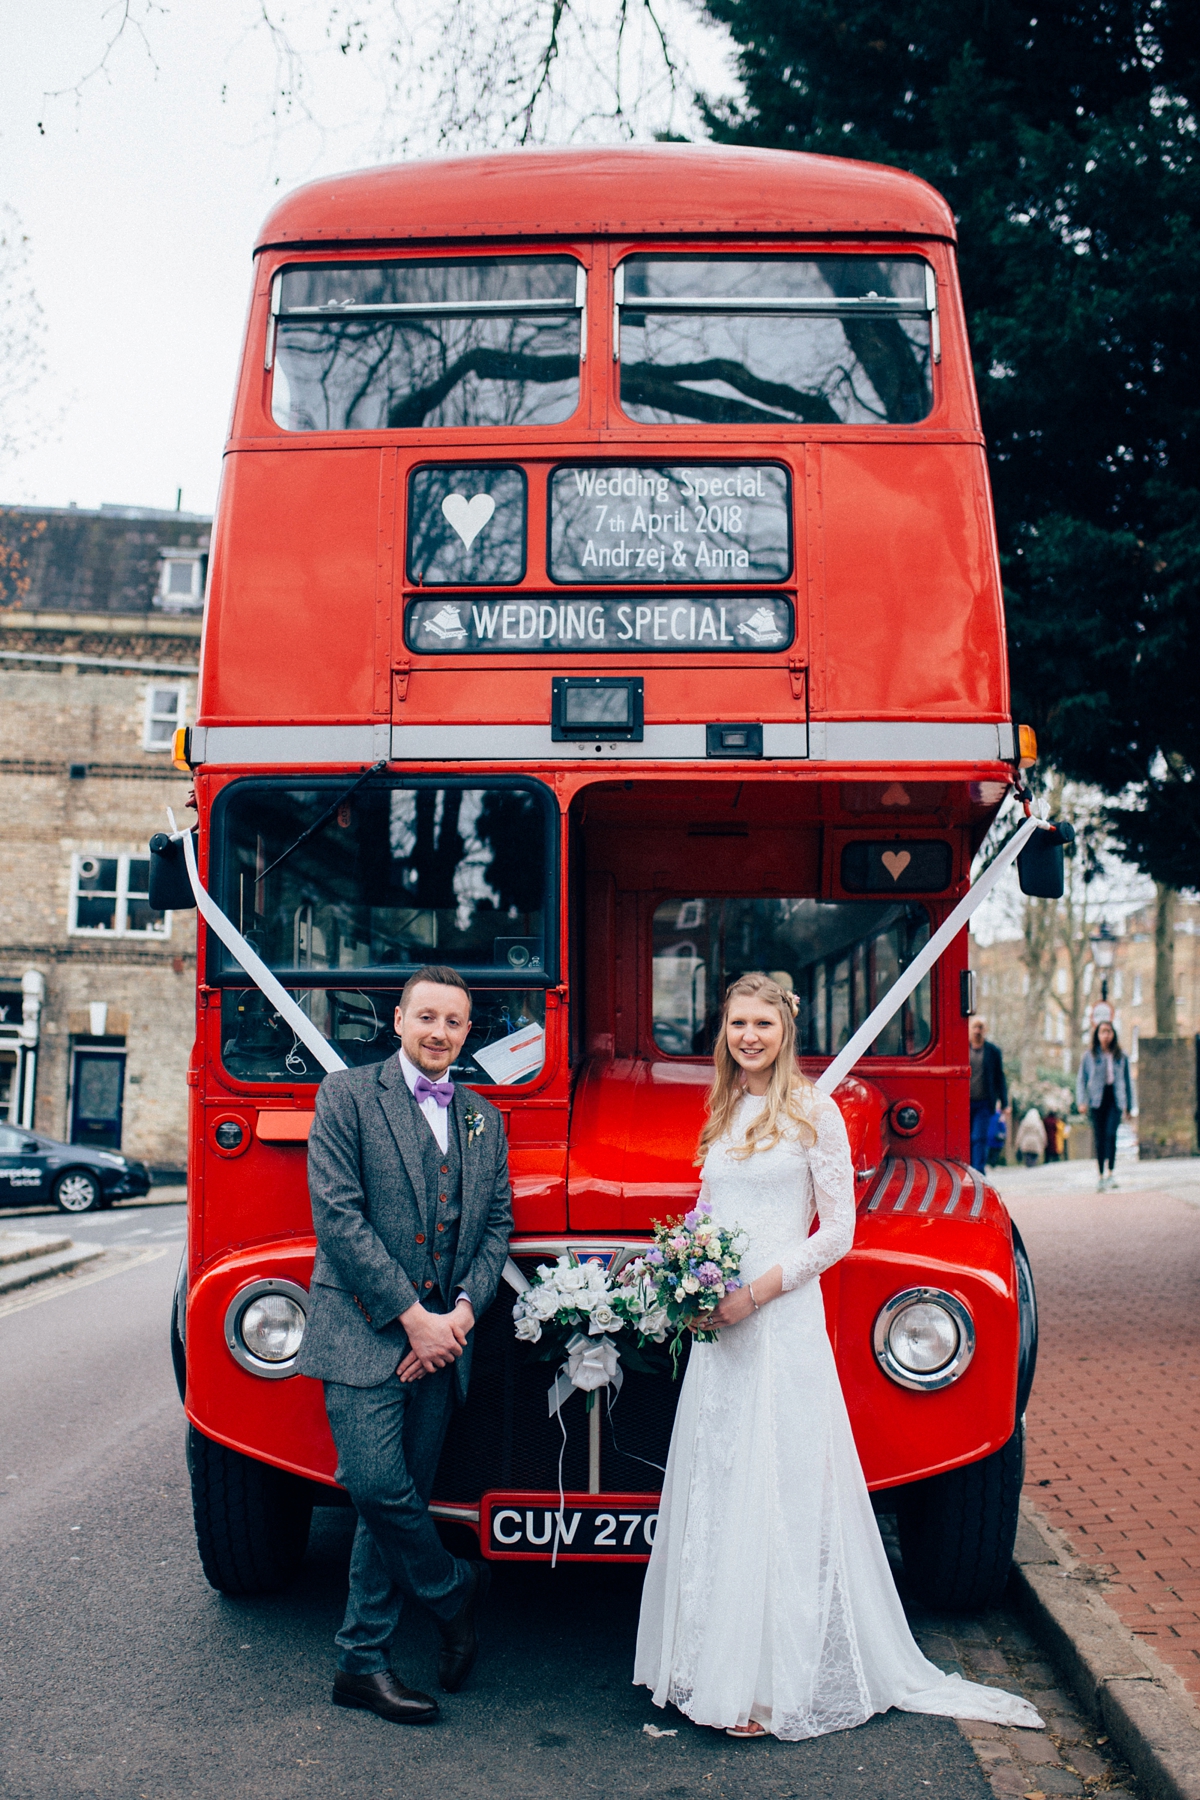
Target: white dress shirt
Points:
(438, 1116)
(439, 1123)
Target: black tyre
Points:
(251, 1520)
(78, 1191)
(957, 1530)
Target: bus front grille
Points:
(505, 1437)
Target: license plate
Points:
(593, 1528)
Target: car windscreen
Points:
(396, 345)
(725, 340)
(390, 876)
(839, 957)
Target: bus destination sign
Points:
(719, 522)
(606, 622)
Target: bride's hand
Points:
(733, 1309)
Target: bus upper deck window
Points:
(396, 345)
(724, 340)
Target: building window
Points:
(1060, 981)
(181, 580)
(110, 897)
(1118, 984)
(1137, 990)
(165, 709)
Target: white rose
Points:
(690, 1285)
(544, 1304)
(572, 1281)
(528, 1330)
(655, 1323)
(603, 1319)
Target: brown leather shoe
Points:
(383, 1694)
(460, 1638)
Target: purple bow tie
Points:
(441, 1091)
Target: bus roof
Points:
(692, 189)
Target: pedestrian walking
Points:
(1105, 1089)
(1053, 1125)
(989, 1090)
(1030, 1141)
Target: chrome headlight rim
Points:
(950, 1371)
(235, 1312)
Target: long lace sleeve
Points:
(833, 1186)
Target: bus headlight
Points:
(924, 1339)
(264, 1327)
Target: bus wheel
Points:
(957, 1530)
(251, 1520)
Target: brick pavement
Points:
(1114, 1419)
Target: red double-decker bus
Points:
(604, 600)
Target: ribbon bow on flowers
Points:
(568, 1295)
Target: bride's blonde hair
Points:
(789, 1094)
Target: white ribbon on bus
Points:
(841, 1065)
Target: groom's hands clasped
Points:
(434, 1339)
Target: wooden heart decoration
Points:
(895, 862)
(468, 517)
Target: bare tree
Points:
(22, 341)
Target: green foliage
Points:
(1065, 140)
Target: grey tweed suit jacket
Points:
(367, 1182)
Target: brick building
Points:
(98, 663)
(1004, 992)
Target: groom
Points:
(412, 1208)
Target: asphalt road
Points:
(123, 1675)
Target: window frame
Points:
(389, 975)
(446, 309)
(151, 718)
(171, 556)
(813, 305)
(121, 928)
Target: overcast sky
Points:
(141, 198)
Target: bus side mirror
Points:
(170, 889)
(1040, 864)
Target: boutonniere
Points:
(474, 1120)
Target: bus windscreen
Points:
(386, 877)
(385, 346)
(727, 340)
(839, 957)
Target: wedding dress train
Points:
(769, 1595)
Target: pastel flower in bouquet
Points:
(692, 1265)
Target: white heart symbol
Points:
(895, 862)
(468, 517)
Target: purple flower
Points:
(654, 1256)
(732, 1284)
(709, 1275)
(692, 1219)
(704, 1206)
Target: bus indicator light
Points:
(1026, 746)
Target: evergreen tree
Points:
(1065, 139)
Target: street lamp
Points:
(1104, 949)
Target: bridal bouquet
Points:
(690, 1268)
(568, 1296)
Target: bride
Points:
(769, 1605)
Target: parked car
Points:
(76, 1178)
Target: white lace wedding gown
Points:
(769, 1595)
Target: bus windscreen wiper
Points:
(316, 825)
